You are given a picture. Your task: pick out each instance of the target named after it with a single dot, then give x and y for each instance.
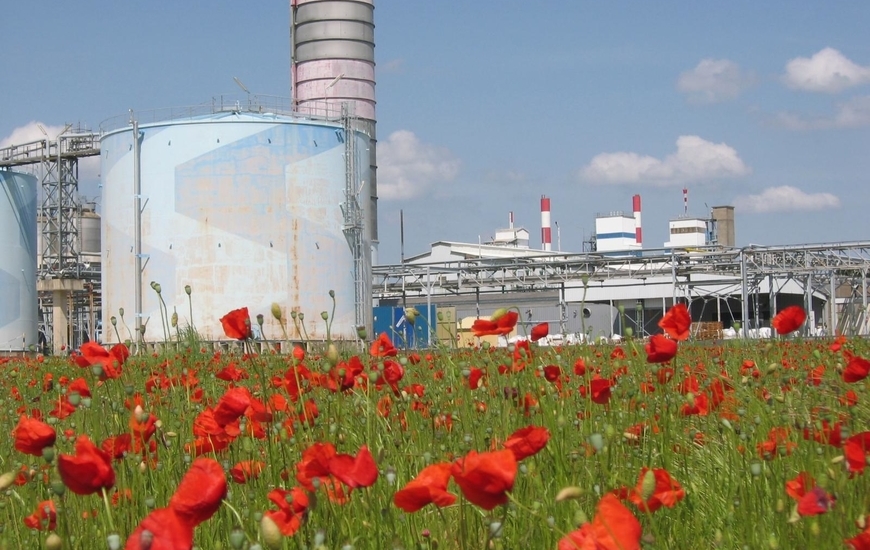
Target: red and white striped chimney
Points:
(638, 229)
(546, 236)
(511, 220)
(685, 201)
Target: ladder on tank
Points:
(354, 223)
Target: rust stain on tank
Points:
(294, 263)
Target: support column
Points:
(60, 289)
(832, 304)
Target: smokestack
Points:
(511, 220)
(546, 237)
(685, 201)
(638, 231)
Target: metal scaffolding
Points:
(834, 273)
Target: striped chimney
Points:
(638, 230)
(685, 201)
(546, 236)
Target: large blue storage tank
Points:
(245, 207)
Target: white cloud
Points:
(853, 113)
(695, 160)
(714, 80)
(408, 168)
(785, 199)
(827, 71)
(89, 167)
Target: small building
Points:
(616, 231)
(687, 232)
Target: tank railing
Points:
(329, 110)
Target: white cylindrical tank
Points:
(18, 303)
(245, 208)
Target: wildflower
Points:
(383, 347)
(429, 487)
(43, 518)
(200, 492)
(93, 354)
(812, 499)
(527, 441)
(232, 405)
(237, 324)
(599, 389)
(677, 322)
(354, 471)
(88, 471)
(789, 319)
(485, 478)
(501, 326)
(292, 506)
(162, 528)
(855, 450)
(656, 488)
(614, 527)
(862, 540)
(246, 469)
(32, 436)
(857, 369)
(660, 349)
(539, 331)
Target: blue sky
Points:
(484, 106)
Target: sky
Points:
(485, 106)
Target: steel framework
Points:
(836, 272)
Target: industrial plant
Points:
(268, 202)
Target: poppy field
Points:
(662, 442)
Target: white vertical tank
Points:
(243, 207)
(18, 303)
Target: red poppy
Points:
(110, 360)
(200, 492)
(527, 441)
(314, 464)
(552, 373)
(355, 471)
(429, 487)
(383, 347)
(816, 501)
(862, 540)
(88, 471)
(118, 446)
(856, 370)
(246, 470)
(165, 531)
(599, 389)
(43, 518)
(614, 527)
(855, 450)
(502, 326)
(232, 405)
(665, 492)
(237, 324)
(32, 436)
(474, 376)
(789, 320)
(677, 322)
(660, 349)
(292, 506)
(485, 478)
(539, 331)
(797, 487)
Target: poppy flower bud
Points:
(270, 533)
(647, 485)
(331, 293)
(276, 311)
(53, 542)
(174, 319)
(121, 312)
(6, 480)
(332, 355)
(156, 286)
(629, 332)
(569, 493)
(260, 319)
(113, 320)
(500, 312)
(324, 315)
(411, 315)
(187, 289)
(293, 315)
(301, 316)
(237, 539)
(48, 454)
(361, 332)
